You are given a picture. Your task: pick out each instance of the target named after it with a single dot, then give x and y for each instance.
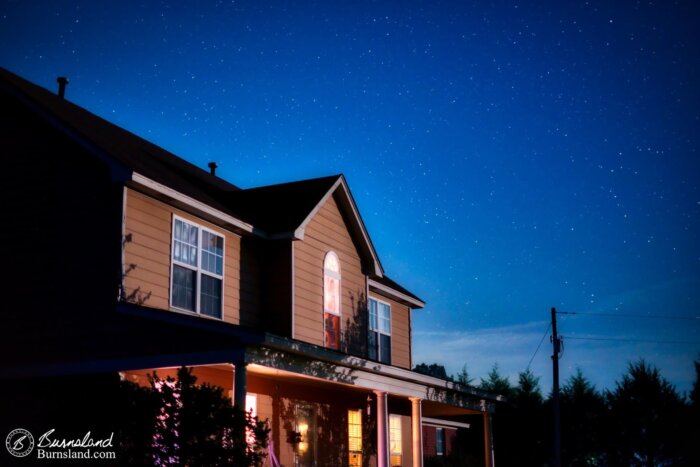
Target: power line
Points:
(539, 345)
(631, 315)
(619, 339)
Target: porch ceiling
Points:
(432, 409)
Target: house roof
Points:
(282, 207)
(386, 281)
(280, 210)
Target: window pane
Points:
(330, 263)
(185, 253)
(354, 430)
(212, 252)
(332, 331)
(184, 285)
(210, 301)
(384, 318)
(440, 441)
(331, 294)
(395, 434)
(372, 349)
(385, 348)
(185, 243)
(373, 314)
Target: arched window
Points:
(331, 300)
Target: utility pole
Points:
(556, 342)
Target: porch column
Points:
(488, 441)
(417, 431)
(240, 377)
(382, 430)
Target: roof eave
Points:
(299, 232)
(413, 302)
(192, 205)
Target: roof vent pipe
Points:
(62, 83)
(212, 168)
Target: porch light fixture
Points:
(369, 405)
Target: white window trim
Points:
(379, 331)
(199, 271)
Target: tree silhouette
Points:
(463, 376)
(582, 409)
(692, 415)
(496, 383)
(177, 422)
(434, 369)
(644, 417)
(527, 428)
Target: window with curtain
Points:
(379, 345)
(331, 300)
(198, 269)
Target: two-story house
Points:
(123, 258)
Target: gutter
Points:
(202, 209)
(356, 363)
(401, 296)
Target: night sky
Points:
(506, 158)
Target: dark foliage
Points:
(496, 383)
(642, 422)
(643, 419)
(434, 369)
(177, 422)
(582, 409)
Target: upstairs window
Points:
(379, 336)
(331, 301)
(198, 269)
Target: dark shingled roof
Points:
(385, 280)
(281, 208)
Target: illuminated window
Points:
(331, 301)
(395, 440)
(198, 269)
(251, 407)
(355, 437)
(379, 331)
(440, 441)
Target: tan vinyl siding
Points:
(326, 232)
(148, 230)
(400, 332)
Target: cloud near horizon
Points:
(511, 347)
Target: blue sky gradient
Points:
(506, 158)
